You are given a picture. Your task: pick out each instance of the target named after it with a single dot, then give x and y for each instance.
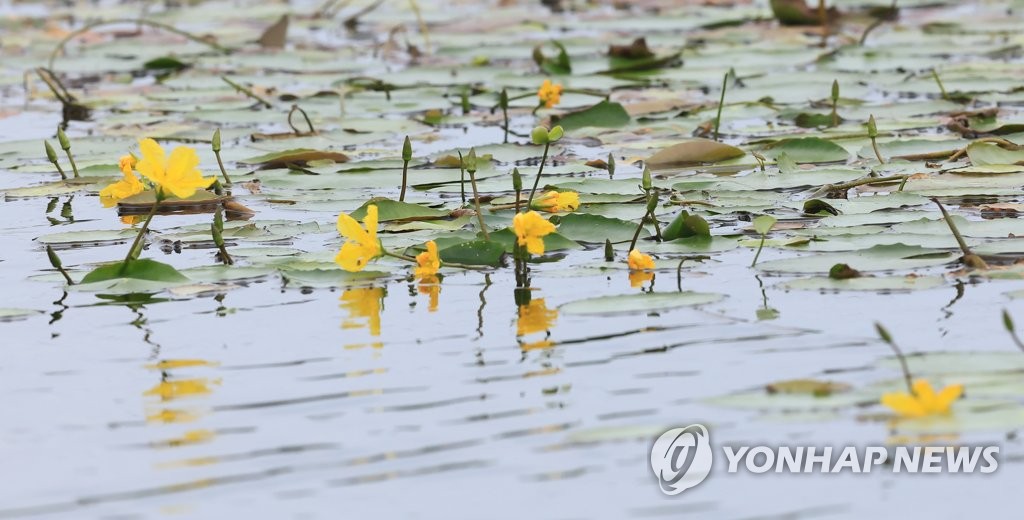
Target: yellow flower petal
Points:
(361, 246)
(904, 404)
(638, 261)
(428, 262)
(530, 229)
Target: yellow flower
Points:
(428, 262)
(178, 174)
(924, 401)
(124, 188)
(639, 278)
(530, 229)
(361, 245)
(638, 261)
(554, 201)
(549, 93)
(431, 286)
(535, 317)
(363, 305)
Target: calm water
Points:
(261, 400)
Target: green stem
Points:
(71, 158)
(223, 171)
(942, 88)
(142, 232)
(247, 92)
(63, 176)
(462, 178)
(476, 202)
(721, 101)
(304, 116)
(636, 236)
(86, 28)
(878, 153)
(758, 254)
(540, 170)
(405, 180)
(859, 182)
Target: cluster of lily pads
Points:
(816, 161)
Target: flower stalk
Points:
(51, 155)
(65, 144)
(406, 157)
(216, 153)
(56, 263)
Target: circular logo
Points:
(681, 458)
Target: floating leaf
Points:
(474, 252)
(388, 210)
(605, 114)
(633, 303)
(695, 151)
(809, 150)
(141, 269)
(686, 225)
(763, 224)
(585, 227)
(297, 157)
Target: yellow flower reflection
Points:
(554, 201)
(177, 174)
(124, 188)
(530, 229)
(431, 286)
(639, 278)
(428, 262)
(550, 94)
(361, 245)
(167, 416)
(923, 401)
(535, 317)
(363, 305)
(170, 390)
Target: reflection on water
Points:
(639, 278)
(363, 305)
(533, 318)
(430, 286)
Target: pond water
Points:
(281, 387)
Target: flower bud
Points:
(65, 144)
(217, 237)
(216, 141)
(609, 251)
(872, 128)
(611, 164)
(882, 333)
(555, 134)
(51, 154)
(539, 135)
(645, 182)
(407, 150)
(652, 203)
(835, 90)
(517, 180)
(1007, 321)
(503, 100)
(54, 259)
(469, 162)
(218, 220)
